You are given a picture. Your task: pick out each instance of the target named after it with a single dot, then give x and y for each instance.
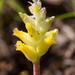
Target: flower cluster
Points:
(38, 39)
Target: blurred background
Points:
(59, 60)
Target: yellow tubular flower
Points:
(23, 36)
(28, 51)
(38, 39)
(47, 42)
(27, 19)
(31, 31)
(50, 37)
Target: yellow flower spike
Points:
(28, 51)
(38, 39)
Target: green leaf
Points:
(66, 15)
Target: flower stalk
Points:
(36, 68)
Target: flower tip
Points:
(56, 31)
(20, 13)
(15, 31)
(53, 17)
(19, 45)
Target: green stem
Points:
(36, 68)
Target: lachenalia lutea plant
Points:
(37, 40)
